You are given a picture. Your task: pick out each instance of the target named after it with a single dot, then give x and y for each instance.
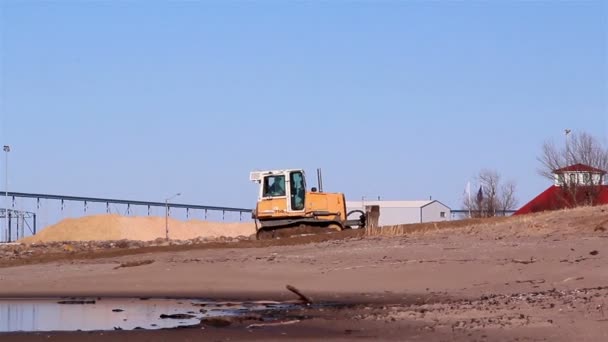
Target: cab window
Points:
(274, 186)
(298, 190)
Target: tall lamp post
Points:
(567, 132)
(7, 149)
(167, 215)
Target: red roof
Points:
(556, 198)
(580, 168)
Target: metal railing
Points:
(109, 201)
(63, 199)
(465, 213)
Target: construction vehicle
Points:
(285, 207)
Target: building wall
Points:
(405, 212)
(579, 178)
(393, 216)
(432, 212)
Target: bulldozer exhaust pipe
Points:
(319, 180)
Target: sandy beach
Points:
(542, 279)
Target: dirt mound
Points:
(146, 228)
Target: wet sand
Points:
(548, 282)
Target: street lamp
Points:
(167, 215)
(7, 149)
(567, 132)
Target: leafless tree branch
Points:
(495, 197)
(579, 148)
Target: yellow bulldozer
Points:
(285, 208)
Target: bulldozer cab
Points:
(286, 189)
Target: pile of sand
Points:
(146, 228)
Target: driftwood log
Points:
(304, 298)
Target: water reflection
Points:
(109, 313)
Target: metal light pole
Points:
(7, 149)
(567, 133)
(469, 194)
(167, 215)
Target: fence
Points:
(29, 210)
(17, 223)
(463, 214)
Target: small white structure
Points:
(579, 175)
(404, 212)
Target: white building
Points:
(579, 174)
(404, 212)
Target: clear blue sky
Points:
(402, 99)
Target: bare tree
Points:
(508, 201)
(580, 148)
(492, 198)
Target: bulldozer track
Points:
(302, 230)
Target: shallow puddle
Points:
(87, 314)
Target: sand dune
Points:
(143, 228)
